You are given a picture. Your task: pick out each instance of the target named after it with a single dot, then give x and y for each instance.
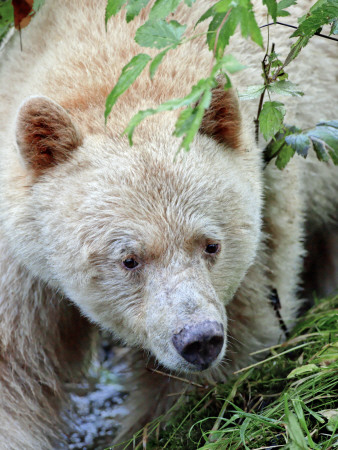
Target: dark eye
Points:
(212, 248)
(130, 263)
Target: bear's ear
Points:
(45, 134)
(222, 120)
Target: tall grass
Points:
(287, 401)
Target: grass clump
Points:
(287, 401)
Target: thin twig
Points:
(176, 378)
(292, 26)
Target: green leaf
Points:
(159, 34)
(231, 64)
(321, 13)
(190, 120)
(252, 92)
(324, 138)
(129, 74)
(189, 2)
(134, 8)
(285, 88)
(284, 155)
(295, 49)
(6, 17)
(319, 148)
(226, 16)
(272, 8)
(113, 7)
(197, 91)
(162, 8)
(282, 5)
(223, 35)
(276, 145)
(303, 370)
(249, 26)
(299, 142)
(271, 118)
(157, 61)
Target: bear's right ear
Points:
(45, 134)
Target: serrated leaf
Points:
(157, 61)
(227, 15)
(271, 118)
(272, 8)
(224, 34)
(285, 88)
(299, 142)
(285, 154)
(276, 144)
(319, 148)
(249, 26)
(134, 8)
(320, 14)
(252, 92)
(300, 371)
(159, 34)
(113, 7)
(162, 8)
(296, 48)
(282, 5)
(129, 74)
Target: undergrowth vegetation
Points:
(289, 400)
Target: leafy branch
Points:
(163, 35)
(226, 16)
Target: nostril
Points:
(192, 349)
(216, 341)
(200, 344)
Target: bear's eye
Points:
(212, 249)
(130, 263)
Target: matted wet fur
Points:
(211, 231)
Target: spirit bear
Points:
(177, 256)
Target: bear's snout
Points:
(201, 343)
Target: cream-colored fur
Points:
(69, 218)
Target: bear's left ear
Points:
(222, 120)
(45, 134)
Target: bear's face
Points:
(149, 246)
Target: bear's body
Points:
(78, 209)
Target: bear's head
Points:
(148, 244)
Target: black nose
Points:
(201, 343)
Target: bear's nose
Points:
(201, 343)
